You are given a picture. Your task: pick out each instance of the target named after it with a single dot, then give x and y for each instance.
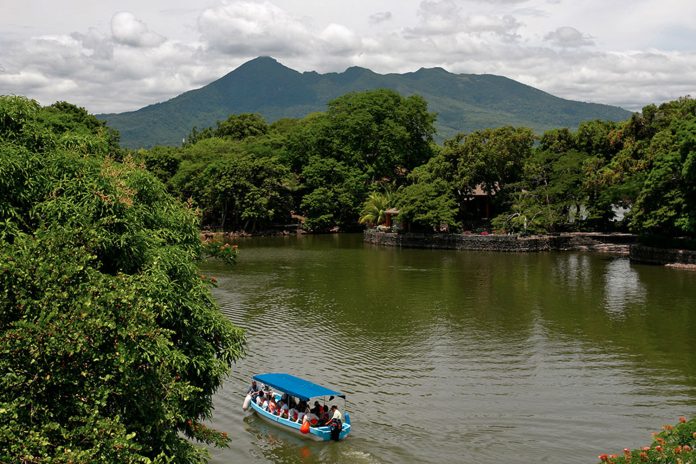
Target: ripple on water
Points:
(458, 357)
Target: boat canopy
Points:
(295, 386)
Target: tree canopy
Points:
(634, 175)
(111, 345)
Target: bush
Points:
(675, 444)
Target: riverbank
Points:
(219, 236)
(592, 241)
(670, 257)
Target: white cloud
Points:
(380, 17)
(126, 65)
(339, 39)
(129, 30)
(567, 36)
(245, 28)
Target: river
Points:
(456, 356)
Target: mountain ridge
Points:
(464, 102)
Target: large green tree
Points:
(111, 345)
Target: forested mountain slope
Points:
(463, 102)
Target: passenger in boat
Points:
(316, 410)
(272, 406)
(283, 409)
(253, 389)
(292, 414)
(313, 419)
(325, 416)
(260, 398)
(336, 423)
(266, 402)
(336, 414)
(302, 410)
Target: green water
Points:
(463, 357)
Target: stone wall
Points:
(651, 255)
(616, 243)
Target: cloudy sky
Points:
(118, 55)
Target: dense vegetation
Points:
(464, 102)
(372, 151)
(111, 345)
(321, 167)
(674, 444)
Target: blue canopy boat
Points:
(302, 390)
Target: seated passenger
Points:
(284, 409)
(302, 412)
(324, 417)
(302, 405)
(316, 410)
(293, 414)
(260, 398)
(253, 389)
(266, 403)
(313, 419)
(272, 406)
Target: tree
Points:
(666, 204)
(111, 345)
(334, 194)
(427, 205)
(374, 211)
(235, 127)
(380, 132)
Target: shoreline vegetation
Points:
(371, 158)
(673, 444)
(111, 344)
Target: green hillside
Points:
(463, 102)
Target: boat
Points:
(303, 390)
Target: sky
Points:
(121, 55)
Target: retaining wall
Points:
(616, 243)
(651, 255)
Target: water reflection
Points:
(460, 357)
(573, 270)
(623, 287)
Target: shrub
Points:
(674, 444)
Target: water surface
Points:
(455, 356)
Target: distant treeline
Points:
(371, 151)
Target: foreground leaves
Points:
(111, 345)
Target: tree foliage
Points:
(375, 207)
(247, 175)
(111, 345)
(324, 166)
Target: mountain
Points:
(463, 102)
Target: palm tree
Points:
(375, 208)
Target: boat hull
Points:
(315, 433)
